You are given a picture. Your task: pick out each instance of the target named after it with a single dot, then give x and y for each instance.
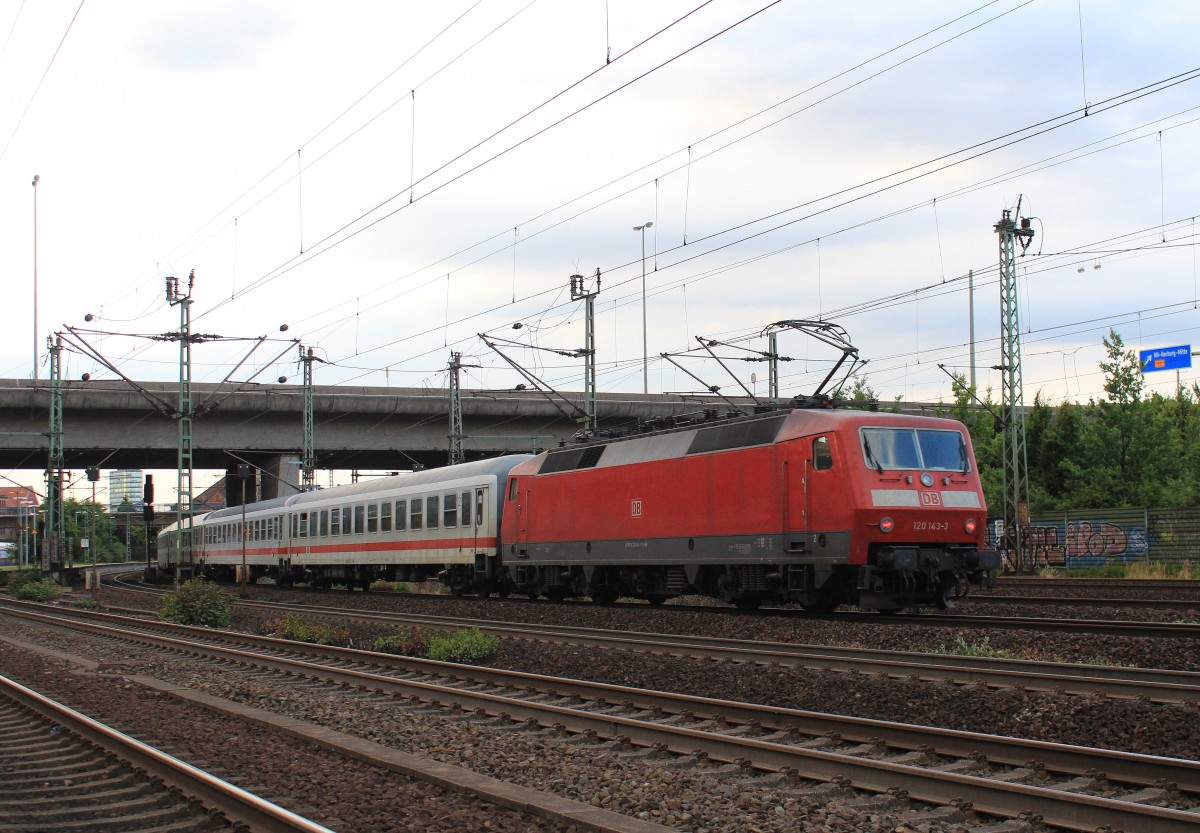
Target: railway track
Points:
(1069, 787)
(1157, 685)
(63, 770)
(1096, 627)
(1087, 601)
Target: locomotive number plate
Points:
(931, 526)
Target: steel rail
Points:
(1086, 601)
(1057, 807)
(237, 804)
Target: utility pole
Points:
(772, 365)
(971, 313)
(183, 509)
(1016, 470)
(52, 545)
(579, 291)
(308, 460)
(93, 474)
(458, 453)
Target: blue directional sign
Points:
(1166, 358)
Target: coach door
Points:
(481, 519)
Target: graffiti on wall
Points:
(1053, 545)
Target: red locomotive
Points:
(815, 506)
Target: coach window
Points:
(431, 512)
(324, 523)
(466, 508)
(449, 511)
(385, 516)
(346, 529)
(372, 517)
(401, 515)
(303, 524)
(335, 523)
(360, 514)
(414, 517)
(822, 456)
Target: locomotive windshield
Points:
(914, 448)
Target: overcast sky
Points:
(392, 178)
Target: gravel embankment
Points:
(702, 798)
(1134, 726)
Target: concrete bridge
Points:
(110, 425)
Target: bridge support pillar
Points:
(280, 477)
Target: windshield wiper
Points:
(871, 456)
(962, 455)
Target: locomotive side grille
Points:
(572, 458)
(590, 457)
(737, 435)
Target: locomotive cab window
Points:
(915, 448)
(822, 455)
(512, 488)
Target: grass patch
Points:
(961, 647)
(468, 645)
(402, 642)
(382, 586)
(299, 629)
(84, 604)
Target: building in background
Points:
(125, 490)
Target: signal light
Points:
(969, 526)
(887, 525)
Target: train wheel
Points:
(604, 597)
(823, 606)
(656, 600)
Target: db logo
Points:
(931, 499)
(635, 508)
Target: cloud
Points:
(214, 36)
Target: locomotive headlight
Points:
(887, 525)
(969, 526)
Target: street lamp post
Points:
(645, 343)
(35, 292)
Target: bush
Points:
(17, 578)
(462, 646)
(198, 602)
(43, 590)
(300, 629)
(84, 604)
(404, 643)
(381, 586)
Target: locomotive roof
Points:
(496, 466)
(722, 435)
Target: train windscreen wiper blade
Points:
(871, 456)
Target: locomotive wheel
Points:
(656, 600)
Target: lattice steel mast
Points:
(1016, 470)
(183, 508)
(579, 291)
(52, 544)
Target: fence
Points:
(1082, 538)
